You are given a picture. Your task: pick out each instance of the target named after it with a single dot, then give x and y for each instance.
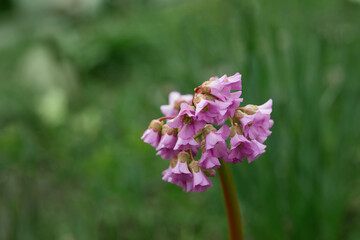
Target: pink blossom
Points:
(185, 144)
(152, 134)
(189, 128)
(211, 110)
(256, 121)
(214, 100)
(216, 87)
(243, 148)
(175, 99)
(207, 161)
(234, 81)
(167, 153)
(167, 143)
(214, 146)
(200, 181)
(221, 87)
(186, 120)
(179, 173)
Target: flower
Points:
(256, 121)
(243, 148)
(209, 109)
(200, 181)
(191, 121)
(221, 87)
(214, 100)
(214, 146)
(185, 144)
(175, 100)
(178, 172)
(152, 134)
(234, 82)
(185, 119)
(167, 142)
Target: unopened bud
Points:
(209, 173)
(168, 130)
(200, 96)
(156, 125)
(202, 145)
(238, 115)
(208, 129)
(173, 162)
(235, 130)
(184, 156)
(250, 109)
(194, 166)
(179, 102)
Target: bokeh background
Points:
(80, 81)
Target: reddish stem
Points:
(231, 202)
(163, 118)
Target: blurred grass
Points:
(80, 81)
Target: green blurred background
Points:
(81, 80)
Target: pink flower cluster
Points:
(190, 128)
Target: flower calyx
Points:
(184, 157)
(156, 125)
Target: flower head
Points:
(190, 126)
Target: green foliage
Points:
(80, 84)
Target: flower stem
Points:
(164, 118)
(231, 121)
(231, 202)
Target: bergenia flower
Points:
(167, 142)
(221, 87)
(179, 173)
(175, 100)
(191, 121)
(184, 144)
(187, 121)
(256, 121)
(235, 101)
(213, 146)
(215, 101)
(234, 82)
(243, 148)
(152, 134)
(200, 181)
(209, 109)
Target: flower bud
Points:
(238, 115)
(156, 125)
(209, 173)
(179, 102)
(250, 109)
(194, 166)
(184, 157)
(235, 130)
(200, 96)
(153, 134)
(208, 129)
(168, 130)
(173, 162)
